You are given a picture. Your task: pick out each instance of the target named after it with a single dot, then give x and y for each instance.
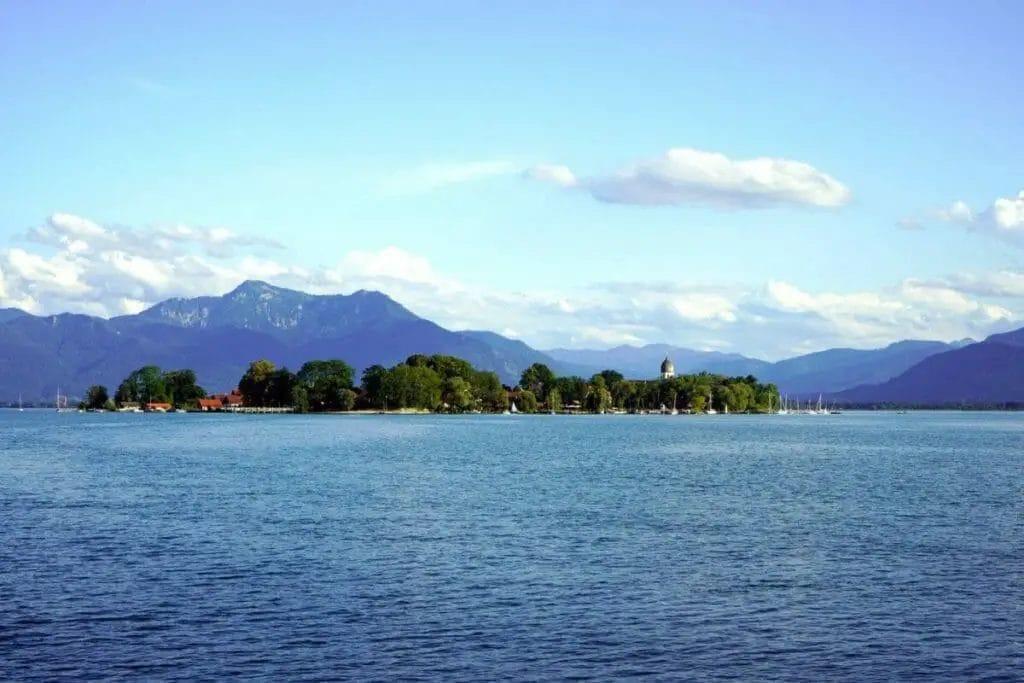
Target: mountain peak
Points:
(257, 287)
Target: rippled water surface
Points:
(853, 547)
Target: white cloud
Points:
(556, 175)
(1004, 218)
(692, 176)
(957, 212)
(1002, 283)
(1008, 214)
(433, 176)
(119, 270)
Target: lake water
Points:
(852, 547)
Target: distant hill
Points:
(643, 362)
(521, 355)
(282, 313)
(219, 336)
(821, 372)
(9, 313)
(838, 369)
(986, 373)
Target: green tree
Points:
(280, 388)
(326, 383)
(408, 386)
(599, 399)
(373, 385)
(457, 394)
(554, 400)
(182, 387)
(573, 389)
(348, 399)
(255, 383)
(538, 379)
(525, 400)
(418, 360)
(144, 385)
(611, 378)
(96, 397)
(488, 392)
(300, 398)
(450, 366)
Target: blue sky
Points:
(158, 149)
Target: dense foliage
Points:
(150, 384)
(96, 398)
(438, 382)
(444, 383)
(609, 390)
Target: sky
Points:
(761, 178)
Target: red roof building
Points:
(208, 404)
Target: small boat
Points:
(513, 410)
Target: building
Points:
(232, 401)
(210, 404)
(668, 370)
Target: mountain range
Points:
(990, 372)
(218, 336)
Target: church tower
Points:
(668, 370)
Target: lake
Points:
(798, 548)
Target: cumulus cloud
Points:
(1004, 218)
(912, 309)
(692, 176)
(1004, 283)
(87, 267)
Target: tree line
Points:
(443, 383)
(148, 384)
(437, 382)
(609, 390)
(449, 384)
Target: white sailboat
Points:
(21, 408)
(513, 410)
(711, 406)
(784, 408)
(822, 409)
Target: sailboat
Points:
(784, 408)
(822, 409)
(513, 410)
(711, 406)
(21, 408)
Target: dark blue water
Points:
(854, 547)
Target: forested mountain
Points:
(990, 372)
(219, 336)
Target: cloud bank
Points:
(1004, 218)
(76, 264)
(692, 176)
